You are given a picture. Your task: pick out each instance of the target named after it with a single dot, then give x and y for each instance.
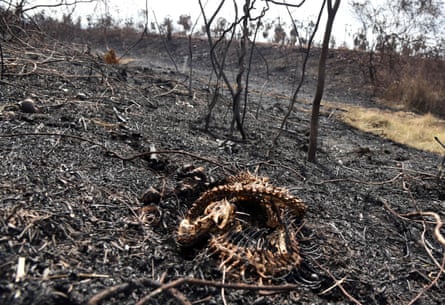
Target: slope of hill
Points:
(74, 174)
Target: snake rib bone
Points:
(268, 247)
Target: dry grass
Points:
(415, 83)
(403, 127)
(417, 94)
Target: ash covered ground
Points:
(73, 177)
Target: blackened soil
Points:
(72, 186)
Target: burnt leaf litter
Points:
(93, 214)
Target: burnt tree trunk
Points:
(241, 64)
(332, 11)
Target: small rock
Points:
(28, 106)
(81, 96)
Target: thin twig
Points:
(433, 282)
(299, 85)
(223, 295)
(407, 216)
(428, 250)
(362, 182)
(166, 93)
(111, 291)
(107, 293)
(201, 282)
(338, 283)
(440, 238)
(170, 288)
(163, 39)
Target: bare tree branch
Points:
(165, 44)
(302, 78)
(284, 3)
(61, 3)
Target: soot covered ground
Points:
(72, 190)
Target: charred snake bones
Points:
(249, 223)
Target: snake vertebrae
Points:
(249, 222)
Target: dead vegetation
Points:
(417, 85)
(408, 128)
(77, 224)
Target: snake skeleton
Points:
(250, 225)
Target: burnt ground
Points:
(73, 179)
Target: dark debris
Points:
(71, 207)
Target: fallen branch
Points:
(407, 216)
(438, 222)
(166, 93)
(201, 282)
(170, 288)
(121, 288)
(439, 237)
(440, 266)
(338, 283)
(362, 182)
(433, 282)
